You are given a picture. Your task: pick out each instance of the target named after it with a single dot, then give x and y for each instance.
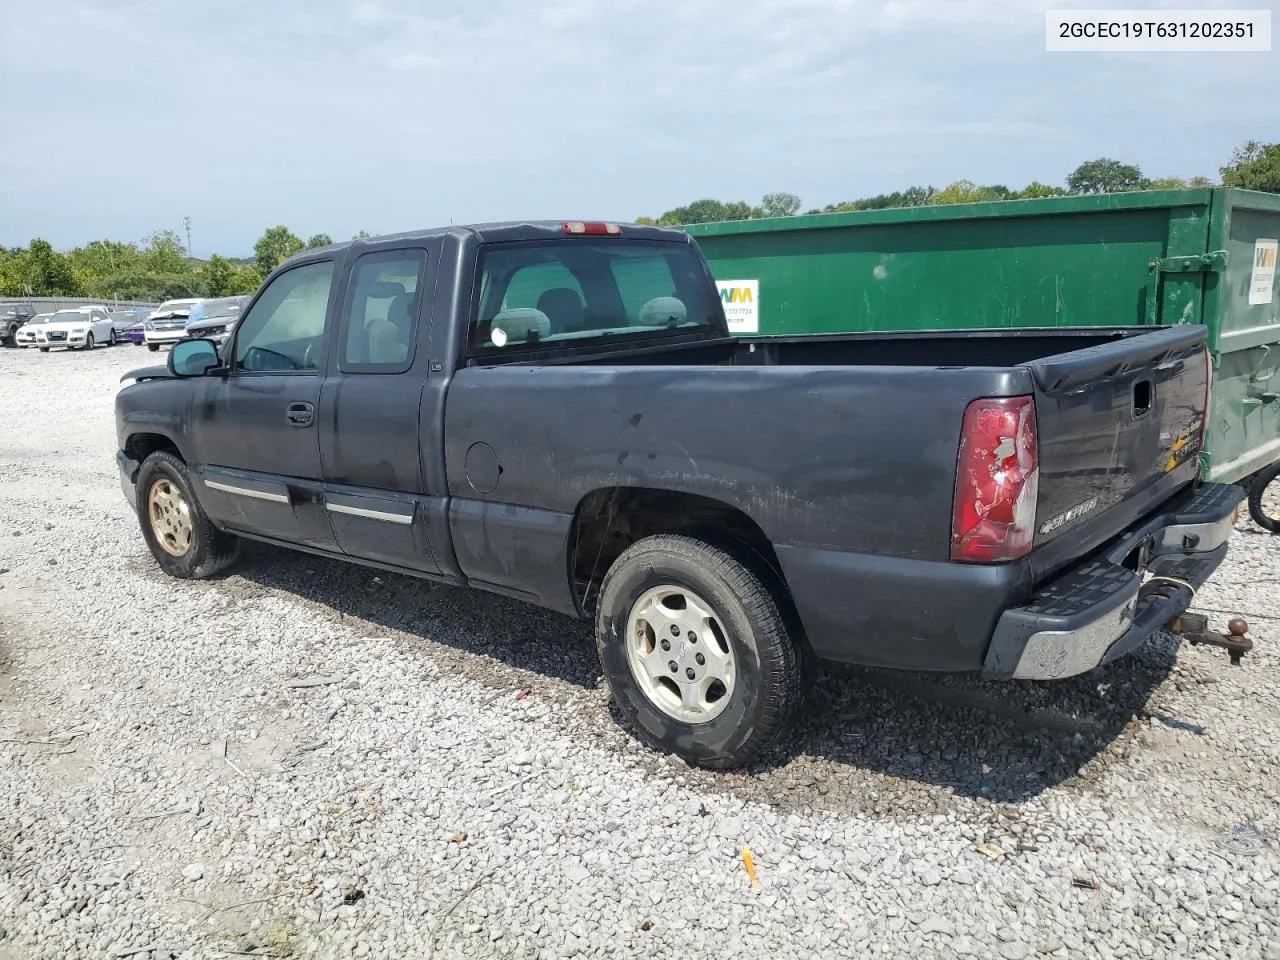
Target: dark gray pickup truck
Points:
(556, 412)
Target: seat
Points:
(564, 308)
(388, 340)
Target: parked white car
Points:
(79, 327)
(167, 323)
(26, 335)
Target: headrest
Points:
(516, 325)
(663, 311)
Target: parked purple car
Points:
(135, 317)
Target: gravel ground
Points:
(305, 758)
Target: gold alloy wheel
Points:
(170, 517)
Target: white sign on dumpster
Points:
(1262, 281)
(741, 300)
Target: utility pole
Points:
(186, 222)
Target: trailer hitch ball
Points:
(1236, 643)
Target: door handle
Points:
(300, 414)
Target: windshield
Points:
(221, 308)
(175, 306)
(572, 292)
(69, 316)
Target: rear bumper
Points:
(934, 615)
(1103, 609)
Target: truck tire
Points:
(1257, 490)
(180, 535)
(153, 347)
(697, 651)
(11, 339)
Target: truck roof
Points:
(507, 230)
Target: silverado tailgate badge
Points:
(1079, 510)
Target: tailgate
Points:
(1114, 421)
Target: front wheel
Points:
(697, 651)
(153, 347)
(180, 535)
(1264, 504)
(44, 349)
(88, 341)
(111, 338)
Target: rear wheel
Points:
(180, 535)
(698, 651)
(44, 349)
(1264, 499)
(153, 347)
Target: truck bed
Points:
(1118, 412)
(985, 348)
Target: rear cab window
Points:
(381, 312)
(544, 294)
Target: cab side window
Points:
(382, 312)
(284, 331)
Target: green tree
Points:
(1036, 190)
(49, 273)
(1166, 183)
(646, 221)
(911, 197)
(362, 235)
(709, 211)
(245, 279)
(319, 240)
(966, 191)
(1254, 166)
(163, 253)
(216, 275)
(1200, 182)
(779, 205)
(1105, 176)
(275, 246)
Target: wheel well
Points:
(142, 445)
(609, 520)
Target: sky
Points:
(336, 116)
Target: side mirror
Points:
(193, 358)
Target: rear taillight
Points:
(997, 481)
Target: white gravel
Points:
(309, 758)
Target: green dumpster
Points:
(1155, 257)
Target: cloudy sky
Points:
(340, 115)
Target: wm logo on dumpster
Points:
(737, 295)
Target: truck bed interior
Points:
(987, 348)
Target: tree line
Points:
(157, 268)
(1253, 166)
(160, 267)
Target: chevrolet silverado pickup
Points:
(556, 412)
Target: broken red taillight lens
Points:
(997, 481)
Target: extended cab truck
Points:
(556, 412)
